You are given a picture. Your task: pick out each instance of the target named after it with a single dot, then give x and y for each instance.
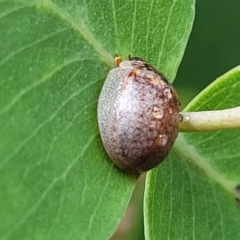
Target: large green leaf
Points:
(195, 193)
(55, 178)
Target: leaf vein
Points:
(47, 37)
(40, 126)
(9, 105)
(98, 204)
(148, 27)
(165, 34)
(195, 158)
(5, 14)
(82, 28)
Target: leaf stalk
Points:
(209, 120)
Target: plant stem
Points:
(209, 120)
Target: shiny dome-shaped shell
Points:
(137, 116)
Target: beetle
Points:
(137, 115)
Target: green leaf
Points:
(56, 181)
(195, 193)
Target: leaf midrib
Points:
(83, 29)
(187, 151)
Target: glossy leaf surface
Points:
(195, 193)
(56, 181)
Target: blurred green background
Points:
(213, 47)
(212, 50)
